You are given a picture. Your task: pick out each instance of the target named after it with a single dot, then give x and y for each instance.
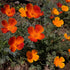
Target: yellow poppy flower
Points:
(64, 8)
(57, 22)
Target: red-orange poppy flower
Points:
(59, 62)
(33, 11)
(16, 43)
(9, 26)
(8, 11)
(59, 4)
(36, 34)
(32, 56)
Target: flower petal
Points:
(3, 10)
(41, 36)
(34, 51)
(4, 23)
(12, 11)
(20, 46)
(62, 59)
(56, 61)
(4, 30)
(61, 65)
(39, 28)
(30, 60)
(65, 35)
(19, 39)
(30, 30)
(6, 6)
(12, 21)
(32, 39)
(57, 18)
(29, 7)
(13, 29)
(23, 12)
(35, 57)
(12, 40)
(36, 9)
(29, 54)
(29, 15)
(12, 48)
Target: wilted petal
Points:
(3, 10)
(12, 40)
(4, 23)
(6, 6)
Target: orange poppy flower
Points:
(36, 34)
(57, 22)
(8, 11)
(55, 11)
(67, 0)
(67, 37)
(32, 56)
(64, 8)
(9, 26)
(16, 43)
(31, 11)
(59, 4)
(59, 62)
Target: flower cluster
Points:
(35, 34)
(31, 11)
(57, 22)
